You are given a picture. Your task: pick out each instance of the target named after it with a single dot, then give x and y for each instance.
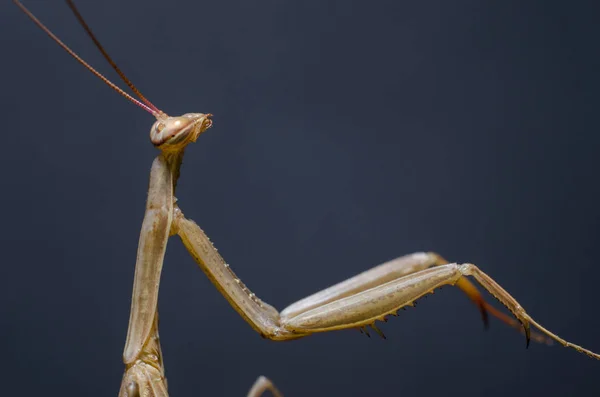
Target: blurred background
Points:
(346, 133)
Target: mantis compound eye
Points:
(174, 133)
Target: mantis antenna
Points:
(145, 104)
(108, 58)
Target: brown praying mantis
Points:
(355, 303)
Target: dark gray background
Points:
(346, 133)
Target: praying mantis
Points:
(355, 303)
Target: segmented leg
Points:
(261, 385)
(363, 292)
(376, 303)
(264, 318)
(394, 270)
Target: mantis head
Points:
(174, 133)
(168, 133)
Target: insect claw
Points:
(527, 334)
(484, 315)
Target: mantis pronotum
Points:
(356, 303)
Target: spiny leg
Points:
(261, 316)
(376, 303)
(261, 385)
(264, 318)
(393, 270)
(268, 322)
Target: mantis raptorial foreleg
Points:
(151, 252)
(356, 302)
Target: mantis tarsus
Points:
(355, 303)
